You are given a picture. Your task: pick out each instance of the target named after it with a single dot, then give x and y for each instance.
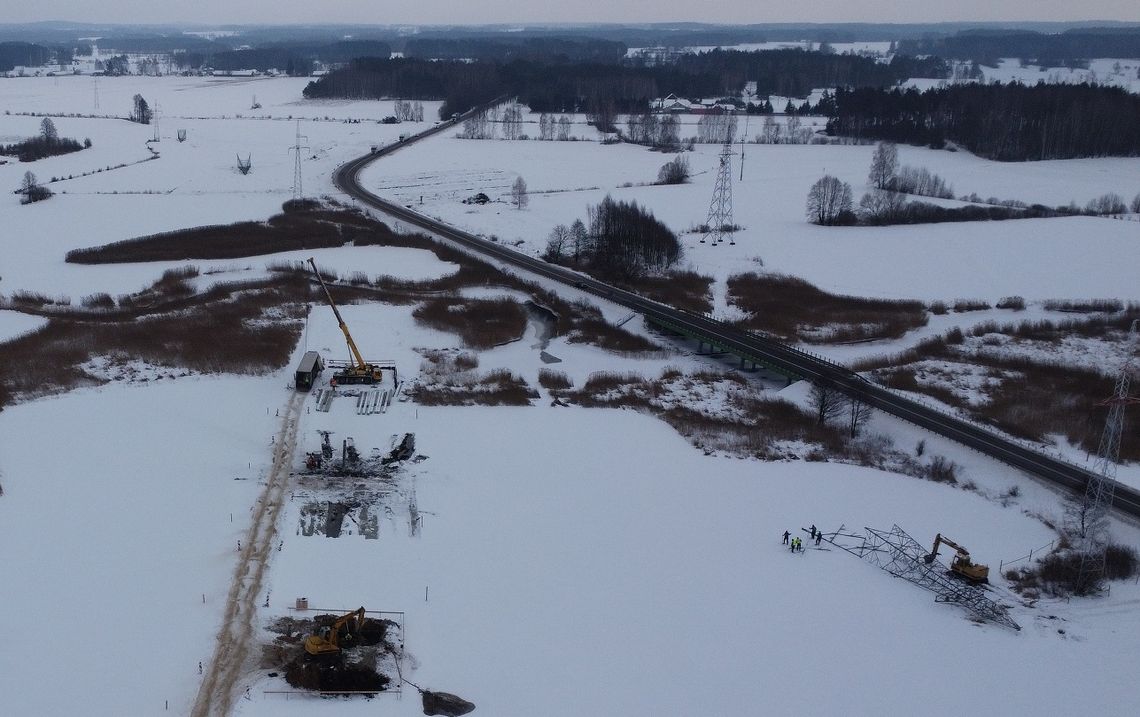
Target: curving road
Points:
(769, 352)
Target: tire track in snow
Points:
(232, 647)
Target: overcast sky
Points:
(386, 12)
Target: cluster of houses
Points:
(678, 105)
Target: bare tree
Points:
(579, 239)
(826, 402)
(793, 130)
(32, 190)
(858, 413)
(1110, 203)
(770, 131)
(518, 193)
(881, 205)
(674, 172)
(512, 121)
(48, 131)
(563, 128)
(667, 132)
(884, 165)
(141, 110)
(558, 242)
(1135, 206)
(829, 201)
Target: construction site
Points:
(348, 488)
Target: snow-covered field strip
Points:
(574, 561)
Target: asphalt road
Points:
(774, 354)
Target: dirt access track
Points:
(232, 657)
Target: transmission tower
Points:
(720, 209)
(298, 192)
(1102, 486)
(95, 81)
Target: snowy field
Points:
(574, 562)
(556, 542)
(192, 183)
(1071, 257)
(13, 324)
(1105, 71)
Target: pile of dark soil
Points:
(334, 677)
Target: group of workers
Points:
(797, 544)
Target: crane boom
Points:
(360, 364)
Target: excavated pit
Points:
(354, 669)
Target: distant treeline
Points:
(1064, 49)
(22, 54)
(194, 53)
(547, 87)
(505, 49)
(795, 73)
(296, 59)
(1002, 122)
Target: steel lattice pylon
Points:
(298, 191)
(720, 209)
(901, 555)
(1100, 488)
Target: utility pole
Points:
(157, 136)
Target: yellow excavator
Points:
(326, 643)
(961, 564)
(358, 370)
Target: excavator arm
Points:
(939, 540)
(318, 645)
(961, 563)
(343, 326)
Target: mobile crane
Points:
(358, 370)
(961, 564)
(326, 643)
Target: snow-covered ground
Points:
(573, 561)
(13, 324)
(192, 183)
(1037, 259)
(1105, 71)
